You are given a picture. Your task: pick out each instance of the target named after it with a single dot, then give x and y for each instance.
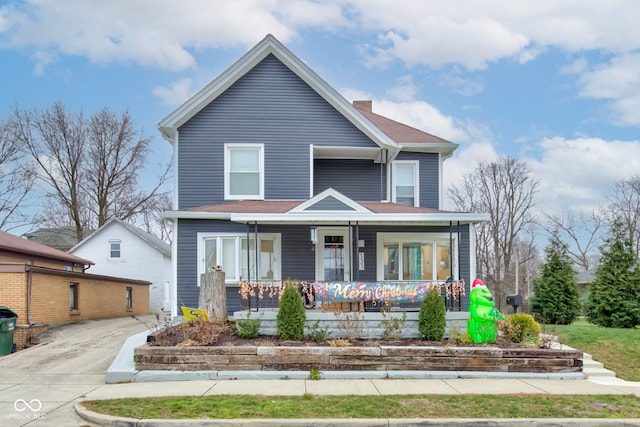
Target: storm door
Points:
(332, 255)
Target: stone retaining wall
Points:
(380, 358)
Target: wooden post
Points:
(213, 295)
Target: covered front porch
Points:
(326, 239)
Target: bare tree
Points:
(117, 155)
(583, 235)
(153, 223)
(56, 140)
(89, 168)
(505, 190)
(624, 207)
(16, 180)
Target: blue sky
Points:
(555, 83)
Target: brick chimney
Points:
(364, 105)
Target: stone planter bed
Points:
(373, 358)
(268, 354)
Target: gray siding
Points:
(268, 105)
(429, 179)
(356, 179)
(298, 254)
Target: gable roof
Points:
(271, 46)
(149, 238)
(18, 245)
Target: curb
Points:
(111, 421)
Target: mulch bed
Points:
(221, 334)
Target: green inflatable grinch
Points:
(484, 317)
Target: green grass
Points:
(618, 349)
(411, 406)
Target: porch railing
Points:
(256, 294)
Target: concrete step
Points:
(598, 372)
(591, 364)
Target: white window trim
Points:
(416, 180)
(277, 237)
(227, 159)
(432, 238)
(111, 242)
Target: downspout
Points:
(29, 286)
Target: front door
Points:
(332, 255)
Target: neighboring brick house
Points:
(120, 249)
(43, 285)
(280, 177)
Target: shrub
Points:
(248, 328)
(521, 328)
(317, 333)
(432, 319)
(291, 315)
(349, 326)
(392, 326)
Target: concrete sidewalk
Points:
(33, 398)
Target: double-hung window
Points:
(415, 256)
(405, 188)
(114, 249)
(243, 171)
(230, 252)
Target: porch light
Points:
(314, 235)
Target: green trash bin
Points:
(7, 326)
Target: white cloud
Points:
(461, 85)
(577, 174)
(405, 90)
(147, 32)
(618, 81)
(423, 116)
(464, 162)
(470, 34)
(176, 93)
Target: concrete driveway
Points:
(72, 359)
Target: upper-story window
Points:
(243, 171)
(114, 249)
(405, 182)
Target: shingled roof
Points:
(284, 206)
(20, 246)
(397, 131)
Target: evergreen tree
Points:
(432, 320)
(556, 298)
(291, 316)
(614, 298)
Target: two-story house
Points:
(280, 177)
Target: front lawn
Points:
(618, 349)
(410, 406)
